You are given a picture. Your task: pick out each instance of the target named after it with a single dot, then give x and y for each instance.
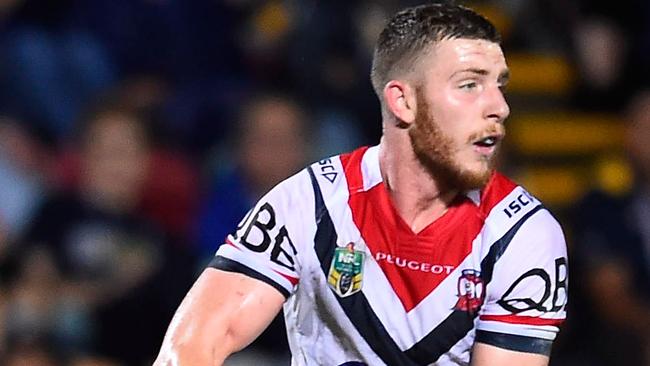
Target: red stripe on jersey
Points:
(351, 163)
(519, 319)
(293, 280)
(228, 241)
(497, 188)
(414, 263)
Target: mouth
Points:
(487, 144)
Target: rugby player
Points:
(412, 252)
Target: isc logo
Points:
(517, 204)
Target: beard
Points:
(435, 150)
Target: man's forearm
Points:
(184, 343)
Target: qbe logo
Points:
(553, 298)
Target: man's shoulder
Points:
(499, 184)
(504, 202)
(348, 167)
(346, 157)
(497, 190)
(518, 221)
(326, 175)
(500, 188)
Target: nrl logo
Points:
(346, 271)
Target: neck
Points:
(418, 197)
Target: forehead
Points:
(453, 55)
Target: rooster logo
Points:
(471, 291)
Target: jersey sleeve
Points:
(267, 242)
(526, 298)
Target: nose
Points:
(497, 108)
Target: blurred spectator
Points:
(23, 182)
(270, 144)
(612, 261)
(93, 361)
(31, 317)
(611, 48)
(31, 355)
(331, 52)
(194, 47)
(169, 196)
(109, 258)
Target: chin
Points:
(477, 178)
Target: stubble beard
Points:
(435, 150)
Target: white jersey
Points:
(363, 289)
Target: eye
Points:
(468, 85)
(503, 87)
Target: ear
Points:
(400, 101)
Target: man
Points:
(412, 252)
(88, 255)
(269, 126)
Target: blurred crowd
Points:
(135, 134)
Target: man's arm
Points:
(487, 355)
(526, 290)
(222, 313)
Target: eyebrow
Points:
(504, 77)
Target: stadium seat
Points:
(564, 133)
(533, 73)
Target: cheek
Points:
(467, 159)
(455, 136)
(453, 119)
(460, 99)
